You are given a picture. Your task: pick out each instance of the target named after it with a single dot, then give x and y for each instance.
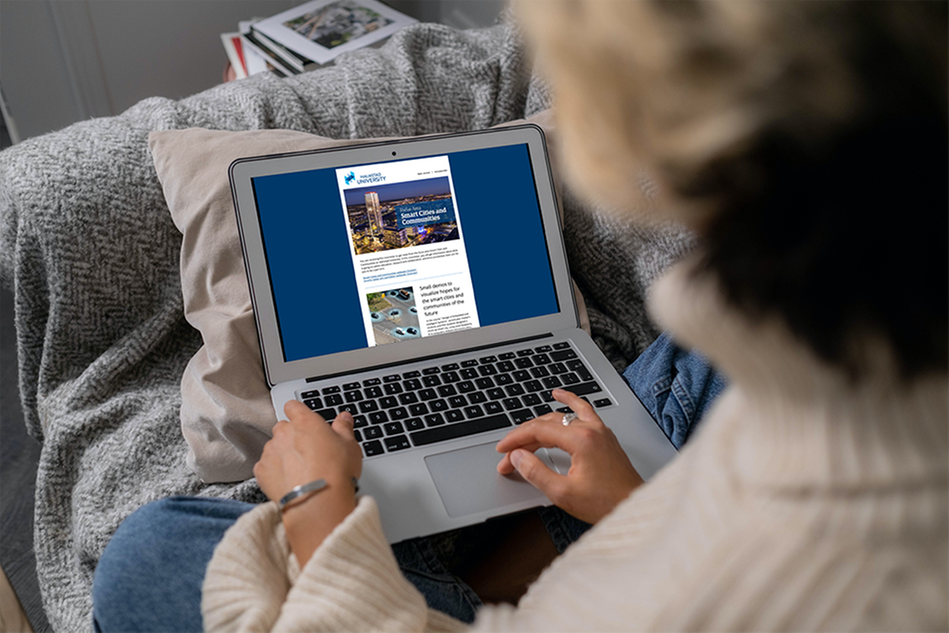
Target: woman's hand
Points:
(304, 448)
(600, 474)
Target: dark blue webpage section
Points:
(319, 310)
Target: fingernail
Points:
(516, 459)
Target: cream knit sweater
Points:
(803, 504)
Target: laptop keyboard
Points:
(452, 400)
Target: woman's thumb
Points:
(536, 472)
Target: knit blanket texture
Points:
(89, 248)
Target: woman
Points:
(799, 140)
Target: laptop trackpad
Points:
(468, 481)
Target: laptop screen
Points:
(393, 252)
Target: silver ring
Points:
(569, 417)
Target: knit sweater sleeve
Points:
(351, 583)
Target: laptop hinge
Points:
(433, 356)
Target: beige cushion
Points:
(226, 412)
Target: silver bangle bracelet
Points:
(308, 489)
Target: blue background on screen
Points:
(308, 250)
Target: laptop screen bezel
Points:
(278, 370)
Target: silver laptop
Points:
(423, 286)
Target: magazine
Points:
(321, 30)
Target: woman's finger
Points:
(545, 431)
(536, 472)
(579, 406)
(343, 425)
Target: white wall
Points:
(63, 61)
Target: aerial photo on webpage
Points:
(400, 215)
(394, 315)
(337, 23)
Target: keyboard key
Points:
(450, 367)
(484, 383)
(504, 379)
(523, 363)
(359, 421)
(531, 399)
(474, 411)
(496, 394)
(506, 356)
(446, 391)
(584, 388)
(522, 375)
(397, 443)
(584, 374)
(564, 354)
(398, 413)
(539, 372)
(391, 378)
(454, 415)
(514, 390)
(348, 407)
(392, 388)
(570, 379)
(334, 399)
(314, 403)
(457, 402)
(552, 382)
(505, 366)
(357, 435)
(602, 402)
(438, 405)
(378, 417)
(408, 398)
(434, 419)
(460, 429)
(388, 402)
(418, 409)
(369, 382)
(414, 424)
(521, 416)
(372, 448)
(349, 386)
(542, 349)
(547, 396)
(493, 407)
(393, 428)
(533, 385)
(477, 397)
(542, 409)
(372, 432)
(431, 381)
(427, 394)
(428, 371)
(484, 360)
(327, 414)
(310, 394)
(331, 389)
(466, 386)
(373, 392)
(412, 385)
(353, 396)
(469, 363)
(542, 359)
(562, 345)
(411, 374)
(524, 352)
(512, 403)
(469, 373)
(557, 368)
(450, 376)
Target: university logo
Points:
(349, 178)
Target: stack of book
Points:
(309, 36)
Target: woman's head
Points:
(805, 141)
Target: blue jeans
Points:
(149, 577)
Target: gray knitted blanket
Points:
(89, 247)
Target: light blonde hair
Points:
(677, 86)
